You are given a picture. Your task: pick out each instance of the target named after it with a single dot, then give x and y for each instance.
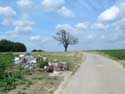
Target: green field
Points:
(115, 54)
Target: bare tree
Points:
(66, 39)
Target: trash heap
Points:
(27, 61)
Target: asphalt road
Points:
(97, 75)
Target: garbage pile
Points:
(27, 61)
(56, 66)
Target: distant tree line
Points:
(35, 50)
(9, 46)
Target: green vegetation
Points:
(37, 50)
(21, 92)
(115, 54)
(9, 46)
(6, 59)
(9, 78)
(41, 63)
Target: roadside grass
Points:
(114, 54)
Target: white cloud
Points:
(39, 38)
(114, 13)
(115, 18)
(99, 26)
(7, 11)
(25, 3)
(57, 6)
(36, 38)
(66, 27)
(66, 12)
(8, 14)
(110, 14)
(52, 5)
(7, 22)
(23, 23)
(23, 26)
(82, 26)
(122, 9)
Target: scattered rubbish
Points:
(27, 61)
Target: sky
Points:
(98, 24)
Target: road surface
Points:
(97, 75)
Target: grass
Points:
(115, 54)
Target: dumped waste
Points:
(27, 61)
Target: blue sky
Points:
(99, 24)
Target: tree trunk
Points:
(66, 48)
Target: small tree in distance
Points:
(66, 39)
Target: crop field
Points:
(14, 80)
(115, 54)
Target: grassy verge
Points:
(114, 54)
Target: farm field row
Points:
(115, 54)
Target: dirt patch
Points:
(42, 83)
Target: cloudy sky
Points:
(99, 24)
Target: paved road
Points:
(98, 75)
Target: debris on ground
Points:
(27, 61)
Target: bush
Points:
(41, 63)
(6, 60)
(2, 70)
(10, 80)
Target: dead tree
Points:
(66, 39)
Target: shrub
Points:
(21, 92)
(2, 70)
(41, 63)
(6, 60)
(10, 80)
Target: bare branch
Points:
(65, 38)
